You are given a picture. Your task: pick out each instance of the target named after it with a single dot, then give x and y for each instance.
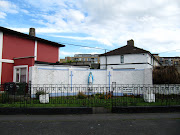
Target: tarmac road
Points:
(91, 124)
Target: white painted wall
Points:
(59, 75)
(40, 76)
(48, 75)
(127, 66)
(130, 61)
(128, 76)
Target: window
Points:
(96, 60)
(92, 59)
(122, 58)
(76, 59)
(20, 73)
(83, 59)
(166, 61)
(176, 63)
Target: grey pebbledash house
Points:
(128, 57)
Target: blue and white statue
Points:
(90, 78)
(90, 81)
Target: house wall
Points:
(14, 47)
(47, 53)
(7, 72)
(134, 61)
(24, 61)
(152, 61)
(127, 66)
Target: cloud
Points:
(8, 7)
(140, 20)
(103, 41)
(47, 5)
(24, 11)
(38, 30)
(64, 53)
(153, 24)
(2, 15)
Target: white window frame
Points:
(14, 72)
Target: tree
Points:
(166, 75)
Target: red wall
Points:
(14, 46)
(24, 61)
(47, 53)
(7, 72)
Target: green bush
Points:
(100, 95)
(4, 98)
(21, 88)
(81, 95)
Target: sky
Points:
(108, 24)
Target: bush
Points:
(4, 98)
(39, 93)
(166, 75)
(21, 88)
(81, 95)
(100, 95)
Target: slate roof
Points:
(128, 49)
(9, 31)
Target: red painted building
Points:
(19, 51)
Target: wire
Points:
(84, 46)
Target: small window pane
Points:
(122, 59)
(17, 77)
(23, 75)
(23, 71)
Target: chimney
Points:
(130, 42)
(32, 32)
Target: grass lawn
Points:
(96, 101)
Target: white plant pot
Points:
(149, 97)
(44, 98)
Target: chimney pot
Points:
(130, 42)
(32, 32)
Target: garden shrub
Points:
(81, 95)
(100, 95)
(21, 88)
(166, 75)
(4, 98)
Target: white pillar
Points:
(1, 48)
(35, 51)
